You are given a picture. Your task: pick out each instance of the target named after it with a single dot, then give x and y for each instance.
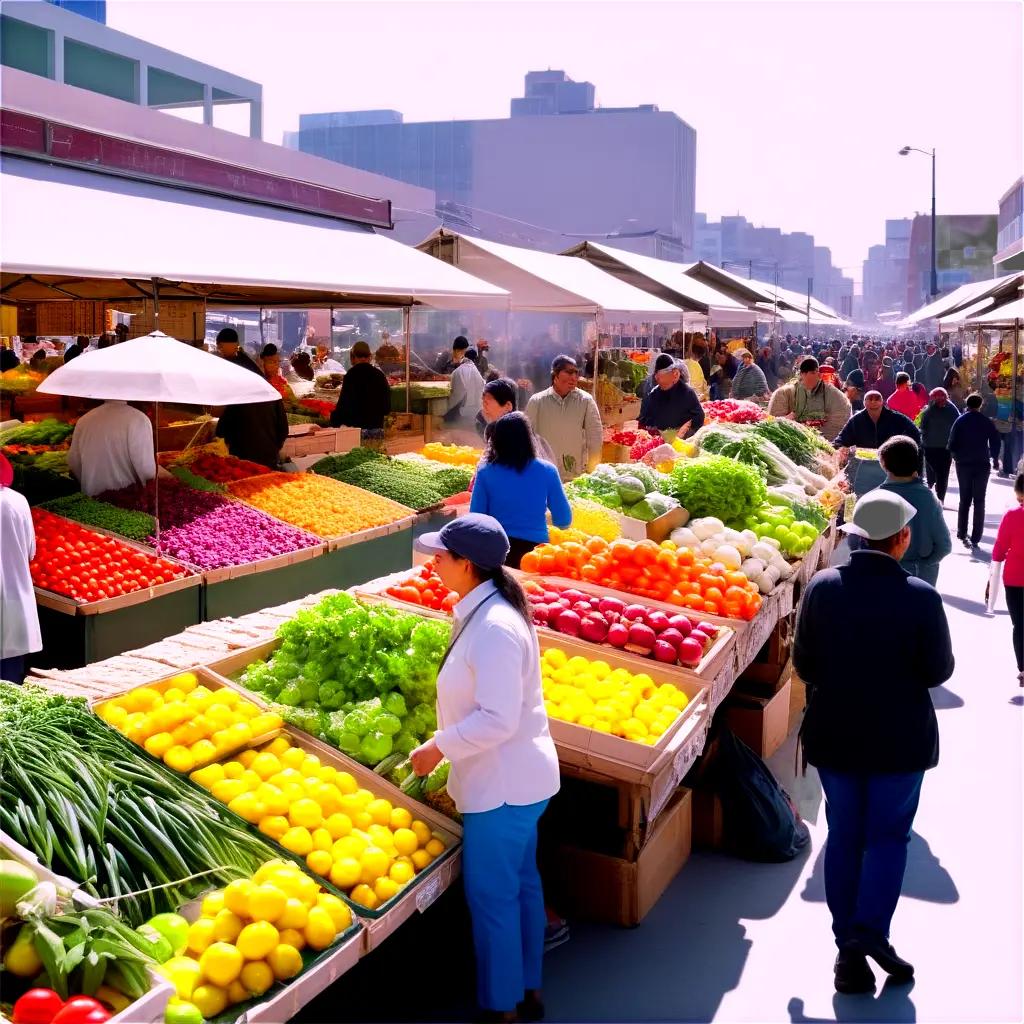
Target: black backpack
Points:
(760, 820)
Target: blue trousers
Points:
(869, 822)
(13, 669)
(506, 902)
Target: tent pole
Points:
(407, 331)
(156, 480)
(156, 305)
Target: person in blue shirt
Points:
(517, 488)
(973, 440)
(929, 534)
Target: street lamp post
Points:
(935, 276)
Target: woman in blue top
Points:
(517, 488)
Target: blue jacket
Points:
(520, 501)
(974, 438)
(871, 715)
(929, 535)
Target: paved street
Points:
(735, 941)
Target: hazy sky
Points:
(799, 107)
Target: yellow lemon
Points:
(385, 888)
(346, 872)
(293, 915)
(349, 846)
(288, 879)
(179, 758)
(420, 859)
(200, 935)
(278, 746)
(306, 890)
(233, 770)
(266, 903)
(236, 896)
(310, 765)
(209, 1000)
(362, 820)
(297, 840)
(305, 813)
(263, 722)
(273, 799)
(327, 796)
(338, 910)
(184, 681)
(257, 977)
(237, 993)
(265, 765)
(291, 937)
(365, 897)
(406, 842)
(380, 811)
(159, 743)
(274, 826)
(375, 863)
(210, 775)
(322, 839)
(346, 783)
(293, 792)
(422, 830)
(250, 779)
(285, 961)
(257, 940)
(183, 973)
(221, 964)
(327, 773)
(401, 872)
(400, 818)
(320, 862)
(319, 930)
(338, 825)
(226, 926)
(246, 806)
(213, 904)
(292, 757)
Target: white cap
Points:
(879, 514)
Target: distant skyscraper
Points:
(94, 9)
(884, 282)
(559, 163)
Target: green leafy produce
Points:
(747, 449)
(409, 483)
(652, 506)
(631, 490)
(358, 676)
(196, 482)
(135, 526)
(799, 443)
(90, 806)
(47, 431)
(713, 485)
(39, 485)
(332, 465)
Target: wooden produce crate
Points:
(614, 453)
(185, 435)
(303, 440)
(656, 529)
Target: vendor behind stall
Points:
(228, 348)
(19, 616)
(255, 431)
(270, 359)
(672, 405)
(112, 448)
(365, 399)
(467, 392)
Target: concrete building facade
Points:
(1010, 237)
(965, 250)
(885, 271)
(560, 164)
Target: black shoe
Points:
(555, 934)
(966, 543)
(885, 956)
(853, 975)
(531, 1008)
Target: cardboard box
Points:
(762, 723)
(765, 680)
(657, 529)
(708, 820)
(596, 887)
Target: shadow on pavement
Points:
(926, 879)
(945, 700)
(892, 1004)
(611, 974)
(1018, 701)
(965, 605)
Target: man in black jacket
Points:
(874, 425)
(973, 440)
(365, 398)
(871, 735)
(671, 404)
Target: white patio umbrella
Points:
(158, 368)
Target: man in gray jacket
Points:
(937, 419)
(568, 419)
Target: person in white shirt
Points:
(493, 728)
(467, 392)
(19, 617)
(111, 448)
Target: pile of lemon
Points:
(251, 934)
(614, 701)
(364, 845)
(185, 724)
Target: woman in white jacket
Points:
(493, 728)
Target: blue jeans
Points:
(869, 822)
(506, 902)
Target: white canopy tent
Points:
(957, 319)
(545, 282)
(959, 298)
(1004, 316)
(68, 233)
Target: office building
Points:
(94, 9)
(885, 271)
(51, 41)
(1010, 238)
(965, 249)
(559, 164)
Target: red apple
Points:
(582, 607)
(612, 604)
(664, 651)
(618, 635)
(701, 637)
(550, 596)
(574, 595)
(568, 622)
(682, 623)
(708, 629)
(594, 628)
(641, 638)
(635, 613)
(658, 621)
(690, 652)
(672, 636)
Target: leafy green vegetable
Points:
(799, 443)
(713, 485)
(49, 431)
(135, 526)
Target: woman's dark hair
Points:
(902, 378)
(270, 349)
(900, 455)
(974, 401)
(511, 442)
(303, 365)
(951, 375)
(508, 586)
(1018, 484)
(503, 391)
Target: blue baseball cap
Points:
(475, 536)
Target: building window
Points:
(165, 89)
(100, 71)
(26, 47)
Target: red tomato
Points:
(82, 1010)
(37, 1006)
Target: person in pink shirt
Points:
(1009, 548)
(904, 399)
